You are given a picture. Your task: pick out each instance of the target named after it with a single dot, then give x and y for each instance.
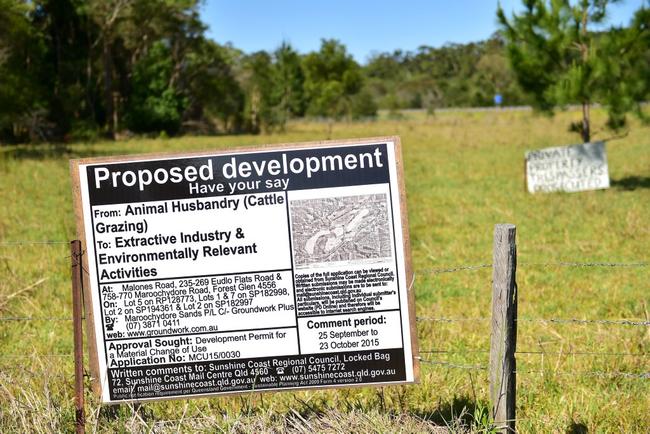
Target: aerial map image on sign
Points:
(348, 228)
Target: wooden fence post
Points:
(80, 416)
(503, 340)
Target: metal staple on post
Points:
(503, 342)
(80, 417)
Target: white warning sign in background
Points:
(568, 168)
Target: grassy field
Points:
(464, 173)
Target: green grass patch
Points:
(464, 173)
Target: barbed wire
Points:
(187, 419)
(633, 375)
(445, 319)
(583, 353)
(26, 373)
(425, 271)
(622, 374)
(624, 322)
(32, 242)
(431, 351)
(448, 269)
(545, 353)
(453, 269)
(31, 356)
(451, 365)
(457, 268)
(35, 318)
(583, 264)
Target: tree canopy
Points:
(560, 55)
(80, 69)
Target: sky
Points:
(364, 26)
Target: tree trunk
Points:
(586, 133)
(116, 110)
(108, 85)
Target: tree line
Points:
(83, 69)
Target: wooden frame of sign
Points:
(271, 268)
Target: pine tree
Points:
(560, 59)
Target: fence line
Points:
(634, 375)
(631, 375)
(584, 264)
(31, 356)
(424, 360)
(35, 318)
(457, 268)
(453, 269)
(453, 365)
(444, 319)
(429, 351)
(583, 353)
(447, 269)
(187, 419)
(622, 322)
(538, 352)
(32, 242)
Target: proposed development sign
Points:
(569, 168)
(263, 269)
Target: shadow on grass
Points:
(577, 428)
(462, 411)
(460, 415)
(124, 412)
(630, 183)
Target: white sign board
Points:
(266, 269)
(569, 168)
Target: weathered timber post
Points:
(80, 416)
(503, 342)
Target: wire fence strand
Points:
(583, 353)
(185, 420)
(32, 242)
(32, 356)
(445, 319)
(584, 264)
(453, 269)
(621, 322)
(36, 318)
(457, 268)
(428, 351)
(538, 352)
(453, 365)
(631, 375)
